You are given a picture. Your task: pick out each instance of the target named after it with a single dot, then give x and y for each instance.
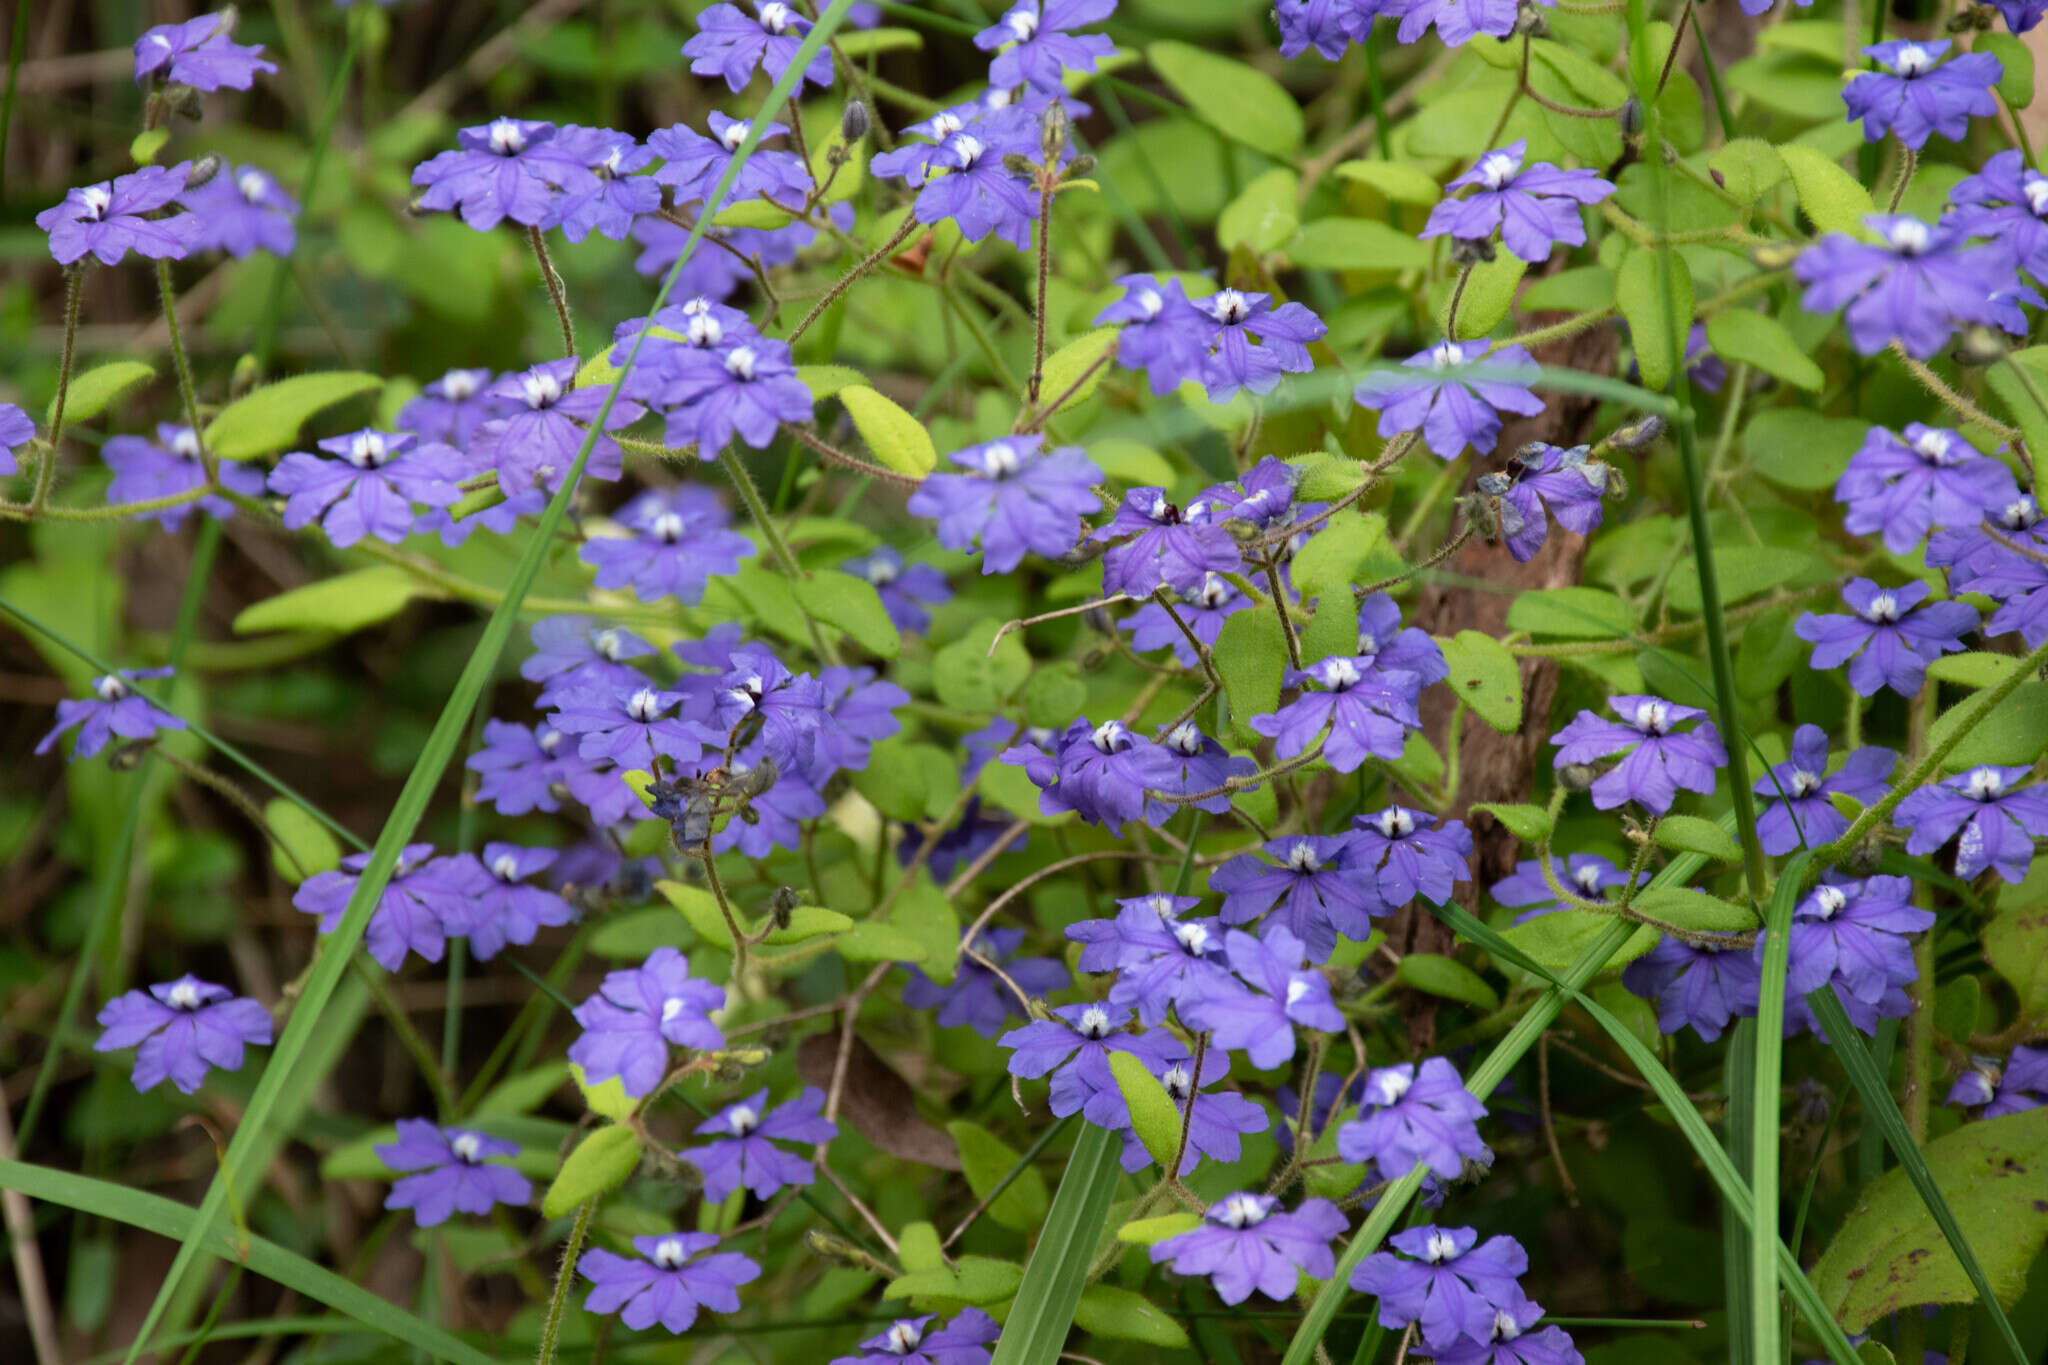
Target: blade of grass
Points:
(1738, 1083)
(1058, 1269)
(1883, 1112)
(1766, 1080)
(448, 730)
(166, 1218)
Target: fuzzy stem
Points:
(556, 296)
(74, 281)
(1046, 184)
(846, 282)
(551, 1330)
(183, 364)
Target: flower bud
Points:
(185, 102)
(1576, 777)
(782, 904)
(1971, 19)
(247, 374)
(853, 122)
(1471, 250)
(1016, 163)
(229, 16)
(1643, 432)
(756, 779)
(203, 170)
(1482, 512)
(1617, 485)
(1979, 346)
(1529, 22)
(1052, 132)
(1863, 859)
(1080, 168)
(1630, 117)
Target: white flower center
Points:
(644, 706)
(609, 642)
(1240, 1211)
(549, 740)
(1883, 607)
(1297, 987)
(1912, 60)
(184, 996)
(98, 199)
(1908, 236)
(252, 184)
(945, 124)
(1368, 643)
(775, 17)
(668, 528)
(742, 1120)
(880, 572)
(541, 389)
(1505, 1328)
(1094, 1022)
(1588, 879)
(1001, 460)
(1107, 735)
(1441, 1248)
(1391, 1085)
(467, 1148)
(1805, 783)
(1185, 739)
(185, 444)
(1338, 673)
(1150, 302)
(1985, 784)
(1215, 592)
(1022, 23)
(739, 362)
(2020, 513)
(1934, 446)
(506, 137)
(968, 149)
(1193, 938)
(1445, 355)
(1396, 823)
(1830, 900)
(1653, 717)
(1229, 306)
(705, 331)
(669, 1253)
(457, 385)
(670, 1008)
(1303, 858)
(903, 1338)
(2035, 189)
(1157, 511)
(1177, 1082)
(735, 133)
(366, 449)
(1496, 169)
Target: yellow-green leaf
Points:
(1691, 834)
(1762, 342)
(92, 391)
(986, 1159)
(304, 846)
(1239, 102)
(1484, 676)
(600, 1162)
(1152, 1111)
(1109, 1310)
(268, 420)
(1062, 382)
(1834, 199)
(897, 439)
(853, 605)
(339, 605)
(1656, 325)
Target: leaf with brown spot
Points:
(876, 1102)
(1889, 1255)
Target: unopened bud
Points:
(782, 904)
(1052, 131)
(1576, 777)
(1644, 431)
(853, 122)
(185, 102)
(203, 170)
(1864, 858)
(1016, 163)
(1482, 511)
(128, 755)
(756, 779)
(229, 16)
(1471, 250)
(1080, 168)
(1617, 485)
(247, 374)
(1775, 256)
(1971, 19)
(1979, 346)
(1529, 21)
(1630, 117)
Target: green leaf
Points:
(968, 677)
(1691, 834)
(826, 380)
(1972, 668)
(607, 1099)
(860, 43)
(1434, 974)
(304, 846)
(972, 1279)
(874, 941)
(897, 439)
(1581, 289)
(1694, 910)
(1750, 168)
(2016, 946)
(2017, 84)
(1108, 1310)
(1655, 325)
(636, 933)
(599, 1163)
(1797, 448)
(1151, 1231)
(1057, 1272)
(524, 1093)
(152, 1213)
(1153, 1115)
(1767, 653)
(1834, 199)
(1335, 557)
(893, 783)
(336, 606)
(1530, 824)
(1489, 294)
(1761, 341)
(2028, 415)
(927, 918)
(1355, 244)
(1746, 571)
(699, 906)
(1556, 940)
(1231, 97)
(268, 420)
(1064, 368)
(1397, 181)
(1054, 695)
(987, 1159)
(918, 1247)
(2015, 730)
(1263, 216)
(853, 605)
(92, 391)
(146, 144)
(1251, 657)
(1484, 676)
(1573, 613)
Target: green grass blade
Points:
(1766, 1079)
(420, 785)
(1883, 1111)
(1058, 1269)
(166, 1218)
(1738, 1083)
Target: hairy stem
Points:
(74, 281)
(556, 296)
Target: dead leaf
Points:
(876, 1102)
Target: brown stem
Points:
(1046, 184)
(867, 263)
(853, 462)
(555, 294)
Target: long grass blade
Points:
(1738, 1083)
(425, 778)
(1058, 1269)
(166, 1218)
(1766, 1080)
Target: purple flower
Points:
(1704, 984)
(631, 725)
(963, 1341)
(1660, 760)
(1014, 498)
(181, 1029)
(425, 901)
(665, 1284)
(1261, 1020)
(1797, 810)
(1037, 48)
(107, 220)
(1413, 853)
(1852, 935)
(746, 389)
(115, 708)
(680, 540)
(1248, 1242)
(2020, 1085)
(730, 44)
(1916, 284)
(1073, 1047)
(1917, 94)
(1167, 548)
(200, 54)
(1416, 1117)
(860, 710)
(1451, 1289)
(1457, 21)
(1451, 405)
(1366, 712)
(507, 168)
(1202, 611)
(452, 408)
(977, 997)
(17, 429)
(1321, 888)
(1891, 638)
(2019, 15)
(905, 590)
(578, 649)
(694, 164)
(1997, 819)
(978, 192)
(1328, 26)
(1157, 956)
(629, 1024)
(1239, 319)
(1403, 660)
(1513, 1343)
(520, 766)
(1104, 773)
(1192, 763)
(2006, 201)
(241, 211)
(716, 273)
(1533, 209)
(537, 443)
(612, 199)
(1330, 1091)
(1585, 874)
(742, 1152)
(146, 470)
(504, 909)
(2001, 557)
(1540, 480)
(371, 488)
(1931, 479)
(449, 1172)
(1215, 1125)
(1162, 333)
